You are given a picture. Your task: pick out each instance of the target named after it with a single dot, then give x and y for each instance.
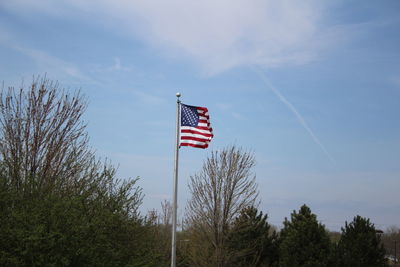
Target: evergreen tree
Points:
(360, 245)
(251, 240)
(304, 241)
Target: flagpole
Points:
(175, 193)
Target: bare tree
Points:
(391, 241)
(159, 223)
(43, 142)
(166, 213)
(224, 187)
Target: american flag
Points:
(196, 129)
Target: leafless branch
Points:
(224, 187)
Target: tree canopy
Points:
(304, 241)
(360, 244)
(59, 205)
(251, 240)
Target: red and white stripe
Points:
(198, 136)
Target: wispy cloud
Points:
(44, 62)
(290, 106)
(231, 110)
(217, 35)
(117, 66)
(220, 35)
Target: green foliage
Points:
(59, 206)
(360, 245)
(75, 230)
(251, 241)
(304, 241)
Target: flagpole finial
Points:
(178, 94)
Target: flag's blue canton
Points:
(189, 116)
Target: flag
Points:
(196, 129)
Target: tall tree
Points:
(59, 205)
(252, 241)
(44, 145)
(304, 241)
(360, 245)
(224, 187)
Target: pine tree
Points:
(360, 245)
(252, 241)
(304, 241)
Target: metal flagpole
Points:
(175, 193)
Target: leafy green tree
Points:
(59, 205)
(251, 240)
(304, 241)
(360, 245)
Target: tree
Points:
(304, 241)
(334, 236)
(360, 245)
(160, 223)
(59, 205)
(252, 241)
(44, 145)
(391, 242)
(223, 188)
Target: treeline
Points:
(225, 228)
(62, 206)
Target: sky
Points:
(312, 88)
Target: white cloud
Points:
(117, 66)
(218, 35)
(223, 34)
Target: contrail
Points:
(295, 112)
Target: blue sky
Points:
(313, 89)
